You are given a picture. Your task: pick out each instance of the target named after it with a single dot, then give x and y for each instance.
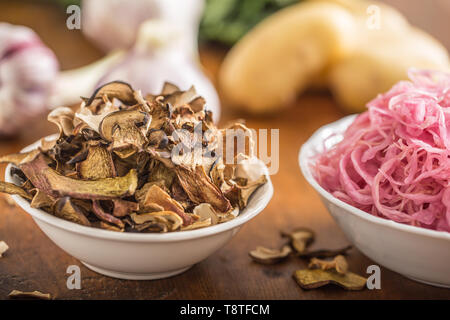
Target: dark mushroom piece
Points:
(116, 89)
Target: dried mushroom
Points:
(3, 248)
(311, 279)
(66, 209)
(41, 200)
(269, 256)
(319, 272)
(338, 263)
(63, 118)
(11, 188)
(16, 294)
(123, 162)
(97, 165)
(17, 158)
(300, 238)
(116, 89)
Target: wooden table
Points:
(35, 263)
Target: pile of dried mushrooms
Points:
(125, 162)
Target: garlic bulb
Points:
(27, 72)
(158, 57)
(114, 24)
(160, 54)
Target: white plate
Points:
(417, 253)
(139, 256)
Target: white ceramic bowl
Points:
(140, 256)
(420, 254)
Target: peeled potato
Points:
(380, 63)
(277, 59)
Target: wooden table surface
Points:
(35, 263)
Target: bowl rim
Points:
(244, 216)
(308, 148)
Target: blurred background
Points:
(259, 56)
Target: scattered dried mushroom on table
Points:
(311, 279)
(124, 162)
(269, 256)
(320, 272)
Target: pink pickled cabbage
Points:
(394, 159)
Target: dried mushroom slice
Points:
(92, 120)
(311, 279)
(10, 188)
(124, 120)
(65, 208)
(205, 211)
(172, 220)
(56, 185)
(41, 199)
(123, 208)
(106, 226)
(47, 144)
(104, 216)
(97, 165)
(300, 238)
(3, 248)
(156, 195)
(240, 195)
(18, 158)
(116, 89)
(169, 88)
(236, 139)
(339, 263)
(270, 256)
(179, 98)
(124, 129)
(63, 118)
(197, 104)
(197, 225)
(16, 294)
(200, 189)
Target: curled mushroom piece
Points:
(97, 165)
(115, 89)
(270, 256)
(170, 219)
(311, 279)
(156, 195)
(3, 248)
(54, 184)
(338, 263)
(18, 158)
(37, 295)
(200, 189)
(63, 118)
(198, 225)
(123, 129)
(66, 209)
(104, 216)
(300, 238)
(205, 211)
(11, 188)
(41, 200)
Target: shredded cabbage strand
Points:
(393, 161)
